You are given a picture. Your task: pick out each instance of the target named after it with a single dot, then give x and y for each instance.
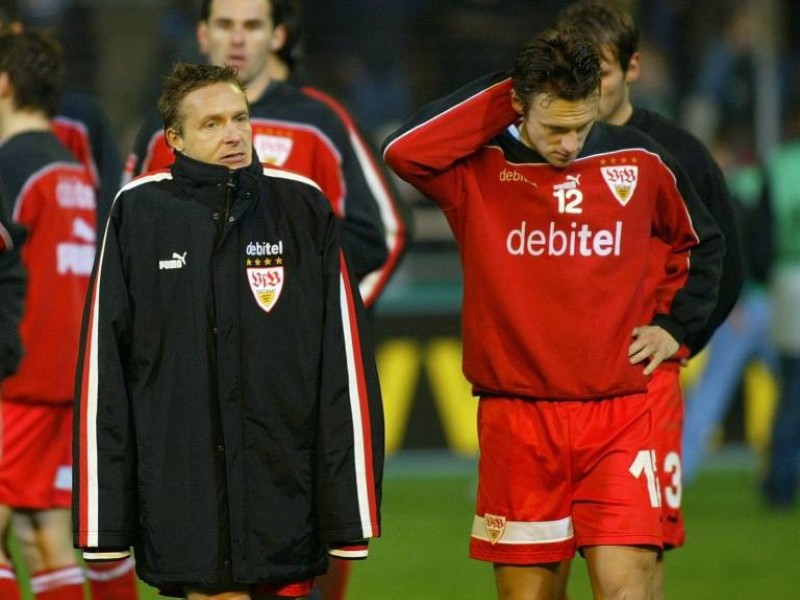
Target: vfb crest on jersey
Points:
(273, 149)
(495, 527)
(621, 180)
(266, 284)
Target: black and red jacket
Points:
(228, 414)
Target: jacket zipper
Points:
(231, 187)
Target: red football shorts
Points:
(557, 476)
(36, 458)
(666, 403)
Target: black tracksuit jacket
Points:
(228, 421)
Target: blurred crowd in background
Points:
(711, 64)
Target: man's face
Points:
(216, 126)
(557, 128)
(614, 90)
(239, 33)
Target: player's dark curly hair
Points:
(33, 61)
(561, 63)
(610, 29)
(184, 79)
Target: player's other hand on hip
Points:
(652, 344)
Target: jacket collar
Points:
(207, 182)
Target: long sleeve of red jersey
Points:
(425, 150)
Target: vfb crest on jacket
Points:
(265, 272)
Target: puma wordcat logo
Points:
(178, 261)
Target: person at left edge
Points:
(81, 124)
(51, 196)
(12, 294)
(228, 415)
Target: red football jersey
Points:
(556, 259)
(54, 199)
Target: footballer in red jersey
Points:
(554, 215)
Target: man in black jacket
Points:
(228, 415)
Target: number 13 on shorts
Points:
(645, 464)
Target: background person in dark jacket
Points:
(293, 130)
(285, 65)
(228, 415)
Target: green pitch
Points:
(736, 549)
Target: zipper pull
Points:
(231, 185)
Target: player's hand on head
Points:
(652, 344)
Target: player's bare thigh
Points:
(44, 538)
(5, 521)
(621, 571)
